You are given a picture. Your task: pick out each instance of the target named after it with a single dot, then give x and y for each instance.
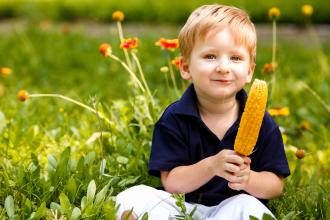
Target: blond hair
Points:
(209, 17)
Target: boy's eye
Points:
(236, 58)
(210, 57)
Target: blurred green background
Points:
(162, 11)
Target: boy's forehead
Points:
(233, 36)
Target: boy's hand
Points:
(242, 176)
(229, 165)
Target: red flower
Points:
(169, 44)
(129, 43)
(176, 62)
(105, 49)
(269, 67)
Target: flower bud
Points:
(22, 95)
(118, 16)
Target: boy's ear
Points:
(251, 71)
(184, 69)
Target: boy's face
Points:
(218, 67)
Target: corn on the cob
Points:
(252, 117)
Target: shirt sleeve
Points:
(168, 148)
(271, 155)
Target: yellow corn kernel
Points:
(252, 117)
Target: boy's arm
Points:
(185, 179)
(264, 185)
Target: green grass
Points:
(48, 164)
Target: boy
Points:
(192, 146)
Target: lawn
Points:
(64, 159)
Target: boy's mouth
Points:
(223, 81)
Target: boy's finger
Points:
(229, 167)
(235, 159)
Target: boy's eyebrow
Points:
(239, 50)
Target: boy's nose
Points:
(222, 67)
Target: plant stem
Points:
(273, 81)
(136, 59)
(172, 76)
(129, 70)
(73, 101)
(121, 37)
(323, 103)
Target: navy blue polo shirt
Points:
(181, 138)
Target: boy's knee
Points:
(248, 199)
(135, 192)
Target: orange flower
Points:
(129, 43)
(274, 13)
(105, 49)
(23, 95)
(304, 125)
(269, 67)
(300, 154)
(169, 44)
(118, 16)
(307, 10)
(176, 62)
(279, 111)
(5, 71)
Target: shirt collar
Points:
(187, 105)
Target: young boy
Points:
(192, 146)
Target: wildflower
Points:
(274, 13)
(269, 67)
(105, 49)
(304, 125)
(118, 16)
(5, 71)
(129, 43)
(177, 62)
(169, 44)
(164, 69)
(307, 10)
(279, 111)
(300, 153)
(22, 95)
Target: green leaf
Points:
(89, 158)
(56, 208)
(91, 191)
(71, 188)
(76, 213)
(100, 196)
(253, 218)
(83, 203)
(145, 216)
(290, 215)
(122, 160)
(102, 167)
(65, 204)
(10, 207)
(27, 206)
(267, 217)
(62, 168)
(52, 163)
(41, 211)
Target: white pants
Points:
(161, 206)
